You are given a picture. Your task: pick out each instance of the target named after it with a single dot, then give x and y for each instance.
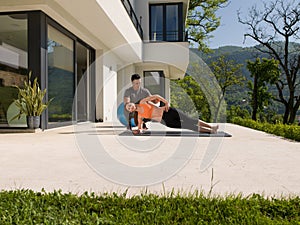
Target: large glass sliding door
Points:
(13, 65)
(69, 79)
(61, 76)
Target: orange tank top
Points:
(148, 109)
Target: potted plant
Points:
(30, 102)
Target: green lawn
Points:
(28, 207)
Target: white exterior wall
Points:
(107, 93)
(174, 54)
(124, 82)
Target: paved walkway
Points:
(101, 158)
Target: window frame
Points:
(180, 28)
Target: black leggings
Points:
(175, 118)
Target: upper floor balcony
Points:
(166, 41)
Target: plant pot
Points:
(33, 122)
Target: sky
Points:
(231, 32)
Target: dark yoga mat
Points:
(176, 134)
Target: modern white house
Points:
(84, 53)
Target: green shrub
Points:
(287, 131)
(28, 207)
(237, 111)
(30, 99)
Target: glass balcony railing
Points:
(133, 17)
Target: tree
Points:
(202, 20)
(274, 28)
(186, 94)
(227, 74)
(264, 72)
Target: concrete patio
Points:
(98, 158)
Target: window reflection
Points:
(13, 65)
(60, 76)
(154, 81)
(157, 23)
(172, 30)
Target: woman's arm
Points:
(140, 125)
(153, 98)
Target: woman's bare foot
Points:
(205, 130)
(214, 129)
(210, 130)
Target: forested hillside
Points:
(239, 55)
(238, 95)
